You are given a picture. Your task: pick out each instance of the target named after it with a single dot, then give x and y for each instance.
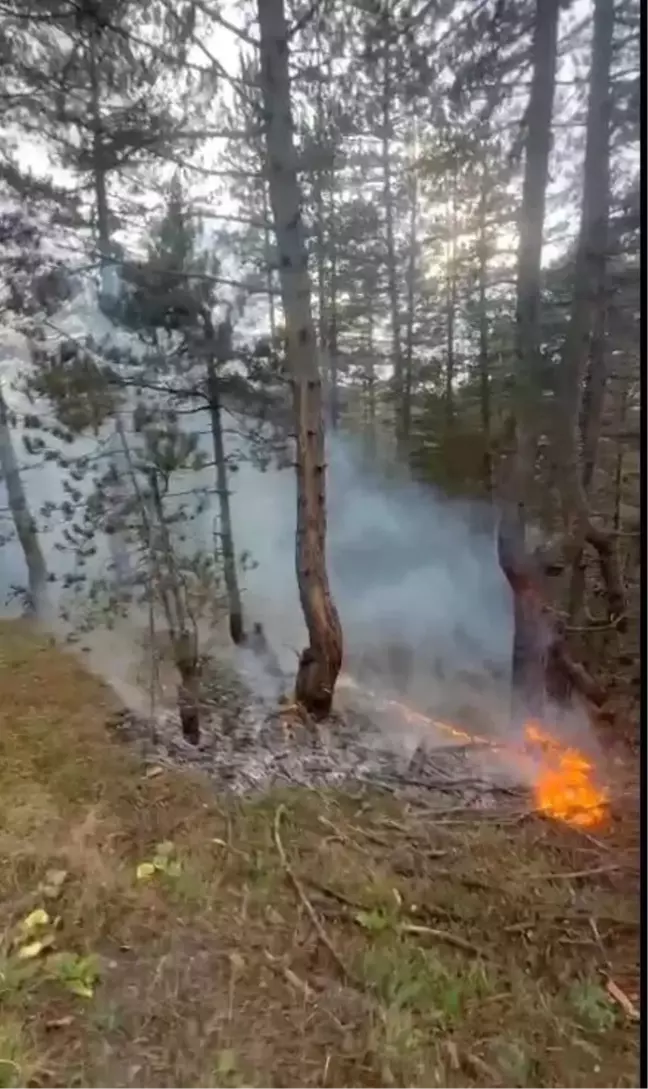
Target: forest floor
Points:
(154, 933)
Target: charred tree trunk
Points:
(24, 523)
(320, 662)
(220, 351)
(584, 343)
(528, 666)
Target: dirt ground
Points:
(153, 933)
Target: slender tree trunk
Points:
(320, 236)
(184, 642)
(406, 406)
(585, 340)
(370, 380)
(321, 661)
(592, 413)
(221, 339)
(451, 308)
(390, 244)
(484, 364)
(530, 637)
(333, 350)
(24, 523)
(272, 309)
(618, 467)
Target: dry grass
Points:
(354, 941)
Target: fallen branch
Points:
(301, 892)
(444, 936)
(576, 874)
(619, 996)
(291, 977)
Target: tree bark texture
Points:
(584, 359)
(528, 660)
(320, 662)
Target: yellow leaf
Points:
(145, 870)
(36, 918)
(80, 987)
(28, 952)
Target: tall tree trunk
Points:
(484, 364)
(406, 405)
(320, 237)
(618, 466)
(451, 307)
(592, 412)
(321, 661)
(390, 244)
(220, 340)
(332, 338)
(584, 349)
(21, 514)
(530, 637)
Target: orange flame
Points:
(564, 782)
(565, 787)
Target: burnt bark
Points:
(185, 650)
(320, 662)
(528, 659)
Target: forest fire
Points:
(564, 781)
(565, 787)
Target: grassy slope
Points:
(217, 975)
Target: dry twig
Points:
(301, 892)
(444, 936)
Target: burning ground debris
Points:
(251, 744)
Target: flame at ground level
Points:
(563, 778)
(565, 787)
